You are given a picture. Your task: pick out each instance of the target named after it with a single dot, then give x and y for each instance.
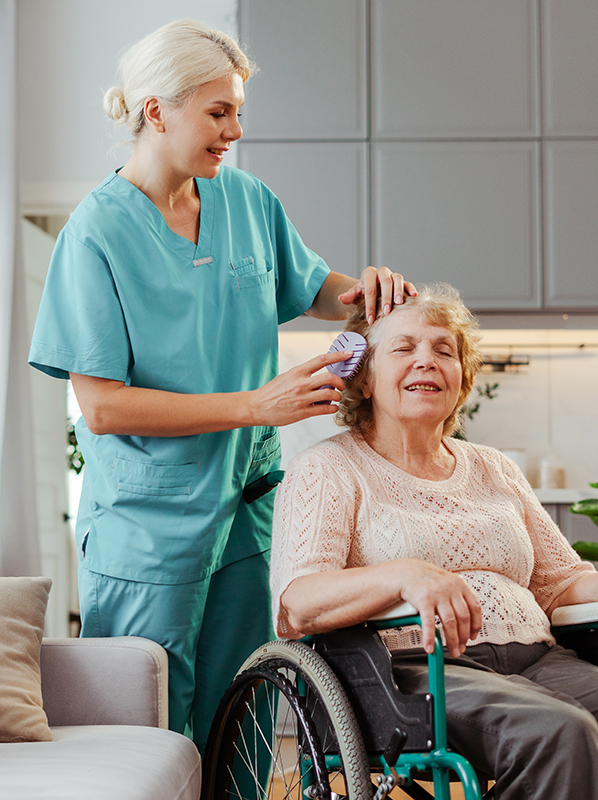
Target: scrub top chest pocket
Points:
(157, 480)
(251, 273)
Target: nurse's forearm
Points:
(113, 407)
(326, 304)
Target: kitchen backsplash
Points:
(546, 409)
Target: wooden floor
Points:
(396, 794)
(290, 760)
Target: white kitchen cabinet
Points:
(571, 224)
(459, 68)
(570, 67)
(312, 61)
(460, 212)
(323, 189)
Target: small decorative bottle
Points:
(552, 475)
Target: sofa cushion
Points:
(102, 762)
(23, 604)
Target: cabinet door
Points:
(312, 61)
(464, 213)
(571, 224)
(575, 527)
(456, 68)
(323, 189)
(570, 67)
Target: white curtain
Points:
(19, 540)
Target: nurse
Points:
(161, 304)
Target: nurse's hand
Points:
(391, 286)
(291, 396)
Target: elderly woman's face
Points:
(416, 372)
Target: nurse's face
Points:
(198, 135)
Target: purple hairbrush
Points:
(348, 340)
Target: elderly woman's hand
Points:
(391, 286)
(323, 601)
(436, 592)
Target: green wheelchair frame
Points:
(438, 760)
(392, 764)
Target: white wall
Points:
(68, 53)
(548, 406)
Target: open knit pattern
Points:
(343, 505)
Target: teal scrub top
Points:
(128, 299)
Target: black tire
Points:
(316, 720)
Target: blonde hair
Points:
(171, 64)
(441, 305)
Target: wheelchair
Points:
(323, 719)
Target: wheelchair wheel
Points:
(285, 729)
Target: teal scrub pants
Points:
(208, 629)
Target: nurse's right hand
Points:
(293, 395)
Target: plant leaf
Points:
(587, 550)
(589, 506)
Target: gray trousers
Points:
(524, 715)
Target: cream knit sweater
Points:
(343, 505)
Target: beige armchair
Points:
(106, 702)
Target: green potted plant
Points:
(471, 408)
(589, 507)
(73, 453)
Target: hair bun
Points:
(115, 105)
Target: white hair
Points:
(171, 64)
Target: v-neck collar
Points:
(187, 248)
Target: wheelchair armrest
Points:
(396, 612)
(576, 628)
(577, 614)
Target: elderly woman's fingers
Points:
(427, 614)
(452, 630)
(463, 621)
(456, 623)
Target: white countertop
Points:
(564, 496)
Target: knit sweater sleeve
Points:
(556, 565)
(313, 522)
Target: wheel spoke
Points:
(247, 762)
(263, 742)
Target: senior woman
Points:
(395, 509)
(161, 304)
